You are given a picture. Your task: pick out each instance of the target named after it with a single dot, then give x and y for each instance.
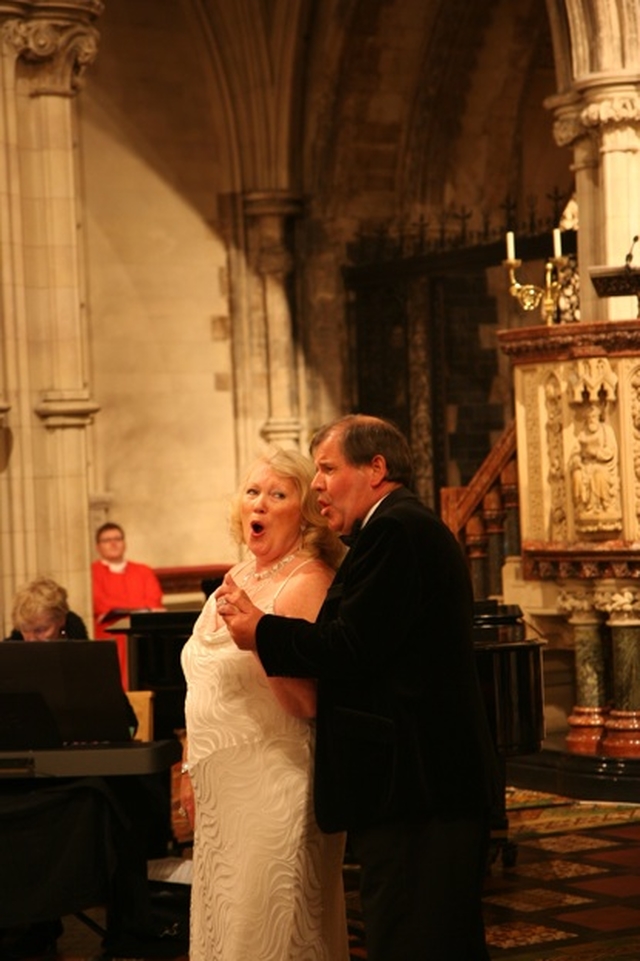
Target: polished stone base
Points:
(582, 776)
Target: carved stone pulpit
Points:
(577, 396)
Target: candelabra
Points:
(530, 296)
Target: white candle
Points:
(511, 246)
(557, 244)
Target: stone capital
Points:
(567, 126)
(55, 54)
(620, 108)
(620, 600)
(578, 603)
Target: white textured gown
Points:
(267, 883)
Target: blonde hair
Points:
(318, 539)
(42, 596)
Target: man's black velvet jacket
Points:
(401, 727)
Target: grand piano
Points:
(509, 663)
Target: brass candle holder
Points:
(530, 296)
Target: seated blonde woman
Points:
(41, 613)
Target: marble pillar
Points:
(622, 728)
(587, 719)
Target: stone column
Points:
(270, 214)
(587, 720)
(612, 112)
(600, 120)
(622, 727)
(569, 131)
(44, 488)
(595, 45)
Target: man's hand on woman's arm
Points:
(239, 614)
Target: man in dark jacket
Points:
(404, 758)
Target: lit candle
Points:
(511, 246)
(557, 244)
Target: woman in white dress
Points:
(267, 883)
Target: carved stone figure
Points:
(595, 475)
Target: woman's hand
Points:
(187, 798)
(182, 804)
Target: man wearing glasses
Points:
(119, 587)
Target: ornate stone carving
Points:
(624, 108)
(534, 491)
(592, 379)
(621, 601)
(575, 601)
(583, 563)
(555, 454)
(567, 129)
(60, 51)
(594, 465)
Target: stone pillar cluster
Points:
(45, 401)
(597, 115)
(270, 215)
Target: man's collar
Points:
(116, 567)
(350, 539)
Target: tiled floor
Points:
(573, 893)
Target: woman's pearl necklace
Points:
(263, 575)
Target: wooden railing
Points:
(189, 580)
(484, 515)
